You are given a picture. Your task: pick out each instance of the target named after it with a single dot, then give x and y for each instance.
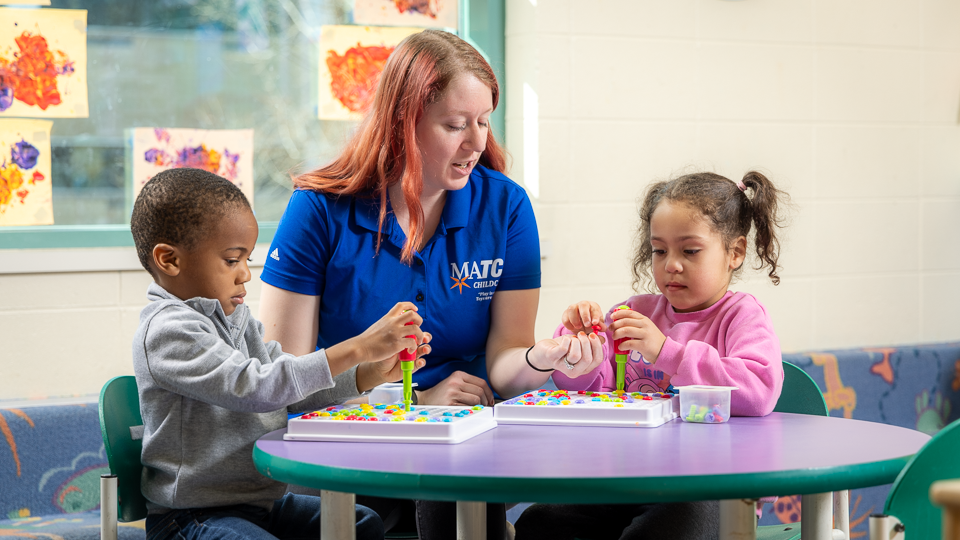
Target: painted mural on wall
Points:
(351, 60)
(225, 152)
(43, 63)
(26, 195)
(426, 13)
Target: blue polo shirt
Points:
(486, 241)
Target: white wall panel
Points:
(885, 23)
(625, 78)
(856, 161)
(940, 295)
(869, 85)
(867, 237)
(770, 20)
(864, 311)
(748, 81)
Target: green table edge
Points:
(559, 490)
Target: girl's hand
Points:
(388, 336)
(390, 370)
(583, 316)
(582, 351)
(640, 333)
(459, 388)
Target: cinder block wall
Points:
(852, 106)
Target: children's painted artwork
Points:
(226, 152)
(43, 63)
(351, 60)
(26, 196)
(426, 13)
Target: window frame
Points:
(490, 42)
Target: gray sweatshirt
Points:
(209, 388)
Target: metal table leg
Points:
(738, 519)
(471, 520)
(338, 516)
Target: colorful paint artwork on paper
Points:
(43, 63)
(425, 13)
(226, 152)
(26, 196)
(351, 60)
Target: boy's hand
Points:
(388, 336)
(583, 316)
(640, 333)
(390, 370)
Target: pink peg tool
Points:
(406, 365)
(621, 357)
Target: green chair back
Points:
(119, 411)
(909, 498)
(800, 394)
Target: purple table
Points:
(746, 458)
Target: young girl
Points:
(692, 240)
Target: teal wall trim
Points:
(75, 236)
(484, 26)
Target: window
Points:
(203, 64)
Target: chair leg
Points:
(841, 512)
(883, 527)
(108, 507)
(946, 494)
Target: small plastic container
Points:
(705, 404)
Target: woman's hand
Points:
(571, 355)
(640, 333)
(584, 316)
(458, 389)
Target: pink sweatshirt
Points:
(731, 343)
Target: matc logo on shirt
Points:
(482, 275)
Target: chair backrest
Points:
(800, 393)
(122, 428)
(909, 498)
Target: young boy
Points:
(210, 387)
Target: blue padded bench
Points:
(916, 387)
(51, 459)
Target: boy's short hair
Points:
(176, 206)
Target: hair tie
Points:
(741, 185)
(535, 368)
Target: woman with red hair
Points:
(417, 208)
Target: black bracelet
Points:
(527, 356)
